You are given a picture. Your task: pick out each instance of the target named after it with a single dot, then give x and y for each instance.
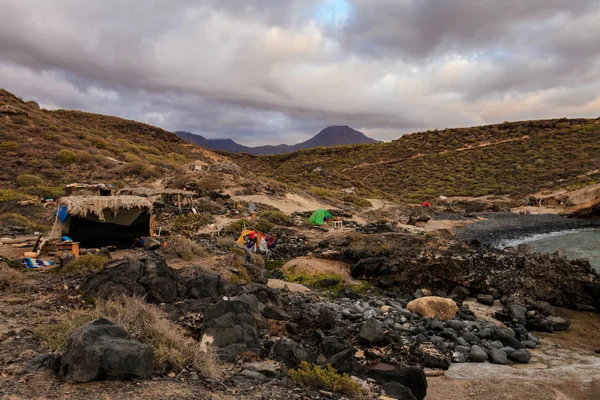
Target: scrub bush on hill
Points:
(326, 378)
(27, 180)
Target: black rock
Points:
(530, 344)
(486, 299)
(517, 313)
(585, 307)
(273, 312)
(277, 274)
(206, 286)
(289, 352)
(498, 356)
(461, 292)
(231, 325)
(457, 325)
(411, 377)
(558, 323)
(540, 324)
(520, 356)
(476, 354)
(371, 333)
(508, 350)
(347, 292)
(101, 350)
(345, 362)
(485, 333)
(398, 391)
(325, 319)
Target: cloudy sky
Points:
(277, 71)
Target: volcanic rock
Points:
(101, 350)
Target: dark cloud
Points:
(271, 71)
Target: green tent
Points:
(317, 218)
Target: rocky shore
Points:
(498, 228)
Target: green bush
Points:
(20, 120)
(65, 157)
(326, 378)
(43, 191)
(28, 180)
(15, 219)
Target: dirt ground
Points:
(563, 367)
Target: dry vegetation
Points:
(13, 280)
(43, 150)
(509, 158)
(326, 379)
(183, 248)
(85, 264)
(173, 350)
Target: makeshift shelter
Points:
(98, 221)
(319, 216)
(173, 198)
(86, 189)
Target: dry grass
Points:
(13, 280)
(85, 264)
(183, 248)
(81, 206)
(173, 349)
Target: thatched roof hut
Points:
(82, 206)
(97, 221)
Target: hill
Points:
(517, 158)
(330, 136)
(43, 150)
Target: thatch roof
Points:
(153, 192)
(81, 206)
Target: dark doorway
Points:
(94, 234)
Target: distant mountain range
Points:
(330, 136)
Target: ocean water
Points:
(578, 243)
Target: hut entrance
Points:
(92, 233)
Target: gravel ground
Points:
(501, 227)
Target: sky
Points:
(276, 71)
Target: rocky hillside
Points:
(330, 136)
(43, 150)
(516, 158)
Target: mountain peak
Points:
(335, 135)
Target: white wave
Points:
(539, 236)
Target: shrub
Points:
(210, 183)
(84, 158)
(173, 350)
(85, 264)
(8, 146)
(12, 279)
(15, 219)
(190, 223)
(42, 191)
(65, 157)
(262, 225)
(10, 195)
(326, 379)
(20, 120)
(275, 217)
(183, 248)
(27, 180)
(139, 169)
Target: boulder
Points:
(398, 391)
(486, 299)
(431, 306)
(276, 313)
(498, 356)
(371, 333)
(289, 352)
(347, 292)
(517, 313)
(100, 350)
(558, 323)
(540, 323)
(231, 326)
(520, 356)
(206, 286)
(345, 362)
(476, 354)
(461, 292)
(411, 377)
(325, 319)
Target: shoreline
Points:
(498, 228)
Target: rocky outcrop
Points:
(101, 350)
(149, 276)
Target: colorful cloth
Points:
(32, 263)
